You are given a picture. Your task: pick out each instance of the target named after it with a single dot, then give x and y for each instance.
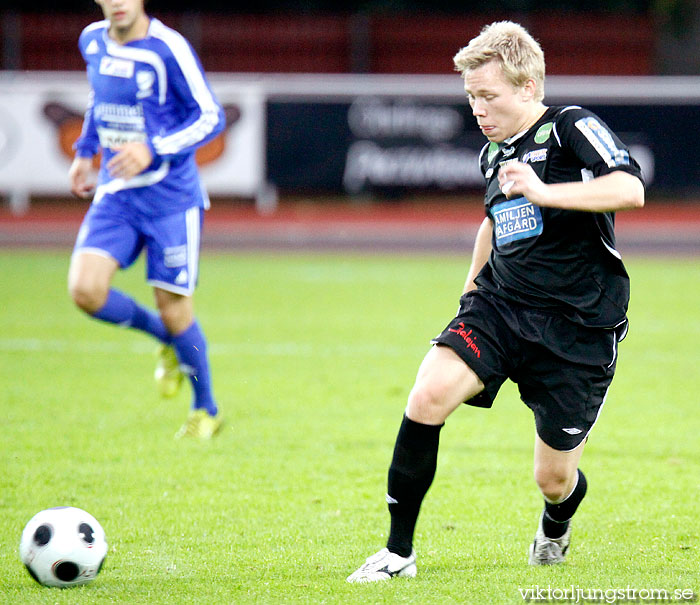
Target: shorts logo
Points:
(175, 256)
(573, 431)
(516, 219)
(467, 337)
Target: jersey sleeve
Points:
(88, 143)
(594, 143)
(203, 118)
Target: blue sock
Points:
(191, 349)
(125, 311)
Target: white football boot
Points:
(549, 551)
(385, 565)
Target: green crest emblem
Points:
(543, 133)
(493, 150)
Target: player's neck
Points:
(536, 113)
(136, 31)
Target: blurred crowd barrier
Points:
(574, 44)
(347, 134)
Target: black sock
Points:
(555, 520)
(410, 475)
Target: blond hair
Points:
(510, 44)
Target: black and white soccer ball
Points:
(63, 546)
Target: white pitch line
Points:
(279, 349)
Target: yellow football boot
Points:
(200, 424)
(168, 375)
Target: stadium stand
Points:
(575, 44)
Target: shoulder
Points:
(575, 116)
(170, 42)
(92, 31)
(575, 121)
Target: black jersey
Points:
(549, 258)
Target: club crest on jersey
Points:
(144, 81)
(119, 68)
(515, 220)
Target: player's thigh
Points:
(172, 244)
(443, 382)
(108, 233)
(91, 271)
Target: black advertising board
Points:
(381, 143)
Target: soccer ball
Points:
(63, 546)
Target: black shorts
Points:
(562, 369)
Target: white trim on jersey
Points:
(104, 24)
(602, 141)
(140, 180)
(483, 150)
(209, 118)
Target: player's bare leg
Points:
(89, 279)
(563, 486)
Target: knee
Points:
(176, 314)
(426, 404)
(555, 484)
(87, 297)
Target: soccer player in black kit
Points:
(545, 298)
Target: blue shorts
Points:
(171, 242)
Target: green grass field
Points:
(313, 358)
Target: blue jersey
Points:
(153, 91)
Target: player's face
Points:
(500, 109)
(124, 15)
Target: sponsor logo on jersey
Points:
(515, 220)
(537, 155)
(601, 140)
(493, 150)
(119, 68)
(113, 137)
(543, 132)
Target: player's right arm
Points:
(80, 175)
(482, 251)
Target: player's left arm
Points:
(616, 190)
(203, 117)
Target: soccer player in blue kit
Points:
(545, 299)
(150, 108)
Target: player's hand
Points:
(517, 178)
(81, 178)
(131, 159)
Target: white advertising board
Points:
(41, 116)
